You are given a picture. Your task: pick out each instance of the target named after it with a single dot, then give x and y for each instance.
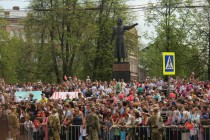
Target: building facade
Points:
(132, 46)
(14, 19)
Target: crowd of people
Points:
(152, 109)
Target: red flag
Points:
(65, 78)
(188, 125)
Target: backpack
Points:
(50, 128)
(92, 121)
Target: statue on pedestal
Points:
(118, 33)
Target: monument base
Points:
(121, 70)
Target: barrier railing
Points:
(116, 132)
(72, 132)
(27, 133)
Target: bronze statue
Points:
(118, 33)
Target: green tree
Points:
(109, 11)
(70, 37)
(172, 29)
(9, 53)
(201, 38)
(61, 27)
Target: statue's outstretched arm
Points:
(130, 27)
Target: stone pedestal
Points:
(121, 70)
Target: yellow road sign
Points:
(168, 63)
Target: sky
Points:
(139, 14)
(140, 18)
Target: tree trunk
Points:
(67, 54)
(209, 54)
(71, 64)
(54, 52)
(209, 43)
(54, 57)
(62, 41)
(98, 61)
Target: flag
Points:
(65, 78)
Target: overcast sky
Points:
(8, 4)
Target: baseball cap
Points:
(13, 107)
(205, 116)
(93, 108)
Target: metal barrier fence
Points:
(165, 133)
(27, 133)
(76, 132)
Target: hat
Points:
(172, 95)
(54, 111)
(145, 111)
(161, 102)
(93, 108)
(43, 94)
(13, 107)
(31, 95)
(155, 110)
(173, 103)
(205, 116)
(27, 117)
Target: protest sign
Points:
(24, 95)
(62, 95)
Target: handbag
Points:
(80, 137)
(41, 132)
(9, 136)
(117, 132)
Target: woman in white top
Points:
(29, 126)
(195, 116)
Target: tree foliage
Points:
(9, 53)
(201, 37)
(70, 37)
(173, 29)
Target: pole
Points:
(168, 85)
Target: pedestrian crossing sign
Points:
(168, 63)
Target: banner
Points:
(62, 95)
(24, 95)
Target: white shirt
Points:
(138, 120)
(108, 90)
(127, 90)
(28, 124)
(94, 89)
(2, 99)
